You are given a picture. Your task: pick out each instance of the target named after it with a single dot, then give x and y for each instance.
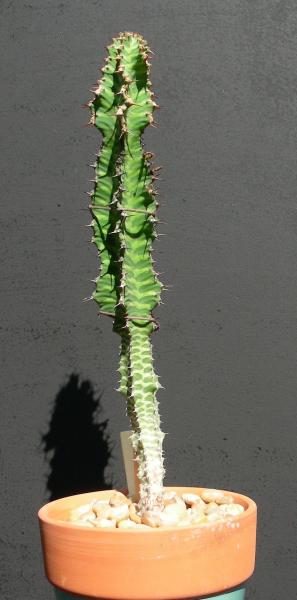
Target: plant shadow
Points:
(76, 446)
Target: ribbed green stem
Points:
(147, 438)
(106, 217)
(124, 363)
(128, 287)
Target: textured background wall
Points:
(225, 73)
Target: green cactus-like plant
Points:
(123, 207)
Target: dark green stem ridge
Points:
(107, 182)
(124, 218)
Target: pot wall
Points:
(185, 561)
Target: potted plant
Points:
(164, 542)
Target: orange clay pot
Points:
(172, 562)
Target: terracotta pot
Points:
(133, 564)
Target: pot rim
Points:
(249, 505)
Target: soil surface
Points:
(118, 511)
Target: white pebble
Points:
(212, 495)
(119, 512)
(82, 523)
(89, 516)
(151, 518)
(231, 509)
(210, 508)
(196, 514)
(118, 499)
(169, 519)
(178, 510)
(77, 513)
(102, 510)
(126, 524)
(214, 516)
(225, 500)
(105, 523)
(191, 499)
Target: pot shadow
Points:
(76, 446)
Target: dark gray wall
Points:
(225, 75)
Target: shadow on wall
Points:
(76, 447)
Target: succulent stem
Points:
(123, 208)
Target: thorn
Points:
(122, 91)
(90, 122)
(121, 110)
(130, 102)
(124, 131)
(98, 90)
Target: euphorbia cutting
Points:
(105, 544)
(123, 206)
